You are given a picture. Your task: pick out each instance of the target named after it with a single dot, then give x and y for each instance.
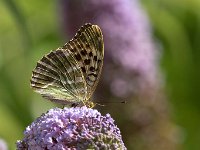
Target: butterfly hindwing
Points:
(59, 78)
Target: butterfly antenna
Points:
(100, 103)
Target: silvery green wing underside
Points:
(58, 77)
(70, 73)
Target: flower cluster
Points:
(72, 128)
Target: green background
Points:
(28, 30)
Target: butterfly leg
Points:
(74, 104)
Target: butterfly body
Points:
(69, 74)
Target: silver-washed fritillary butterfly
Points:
(69, 74)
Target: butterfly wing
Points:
(88, 50)
(58, 77)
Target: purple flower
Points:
(72, 128)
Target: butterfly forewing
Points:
(70, 73)
(88, 49)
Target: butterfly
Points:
(69, 74)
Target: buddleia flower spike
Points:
(69, 74)
(75, 128)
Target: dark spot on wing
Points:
(83, 69)
(83, 52)
(99, 61)
(78, 57)
(92, 69)
(87, 61)
(95, 58)
(90, 54)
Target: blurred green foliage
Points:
(177, 27)
(28, 30)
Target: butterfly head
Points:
(89, 104)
